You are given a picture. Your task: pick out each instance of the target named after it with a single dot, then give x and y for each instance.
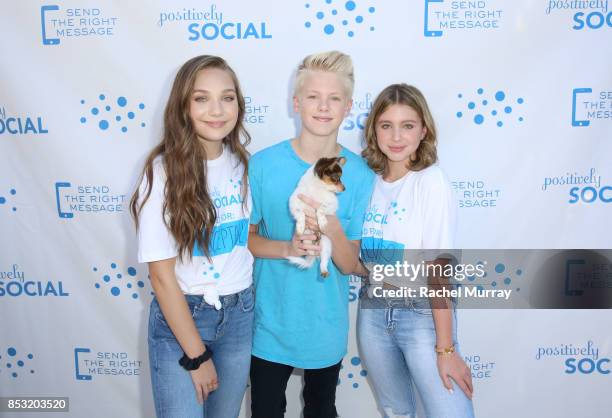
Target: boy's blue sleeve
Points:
(255, 178)
(362, 200)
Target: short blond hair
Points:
(331, 61)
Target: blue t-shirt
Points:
(301, 319)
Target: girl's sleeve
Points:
(439, 215)
(155, 242)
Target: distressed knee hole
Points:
(389, 413)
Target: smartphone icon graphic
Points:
(575, 93)
(45, 40)
(427, 31)
(568, 276)
(78, 374)
(59, 185)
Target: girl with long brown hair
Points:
(191, 212)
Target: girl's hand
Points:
(204, 380)
(302, 245)
(452, 366)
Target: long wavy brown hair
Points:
(404, 94)
(189, 209)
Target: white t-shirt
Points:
(416, 211)
(232, 263)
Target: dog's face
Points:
(329, 170)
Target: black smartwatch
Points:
(194, 363)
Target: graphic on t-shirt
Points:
(395, 210)
(374, 248)
(380, 251)
(210, 272)
(375, 216)
(225, 237)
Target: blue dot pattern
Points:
(108, 122)
(356, 375)
(113, 285)
(334, 16)
(503, 277)
(499, 118)
(5, 199)
(16, 359)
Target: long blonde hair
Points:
(187, 202)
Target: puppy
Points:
(321, 182)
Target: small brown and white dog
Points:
(321, 182)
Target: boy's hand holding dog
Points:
(332, 224)
(303, 244)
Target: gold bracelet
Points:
(444, 351)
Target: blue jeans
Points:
(396, 340)
(228, 332)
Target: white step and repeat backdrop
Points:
(522, 94)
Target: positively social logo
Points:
(589, 106)
(450, 16)
(581, 187)
(23, 124)
(90, 363)
(59, 24)
(231, 229)
(211, 24)
(484, 107)
(80, 198)
(17, 364)
(585, 15)
(112, 113)
(356, 120)
(15, 283)
(354, 286)
(584, 359)
(374, 248)
(476, 193)
(339, 17)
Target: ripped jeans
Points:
(396, 341)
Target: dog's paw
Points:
(324, 274)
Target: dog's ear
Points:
(320, 167)
(341, 161)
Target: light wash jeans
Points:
(228, 332)
(396, 341)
